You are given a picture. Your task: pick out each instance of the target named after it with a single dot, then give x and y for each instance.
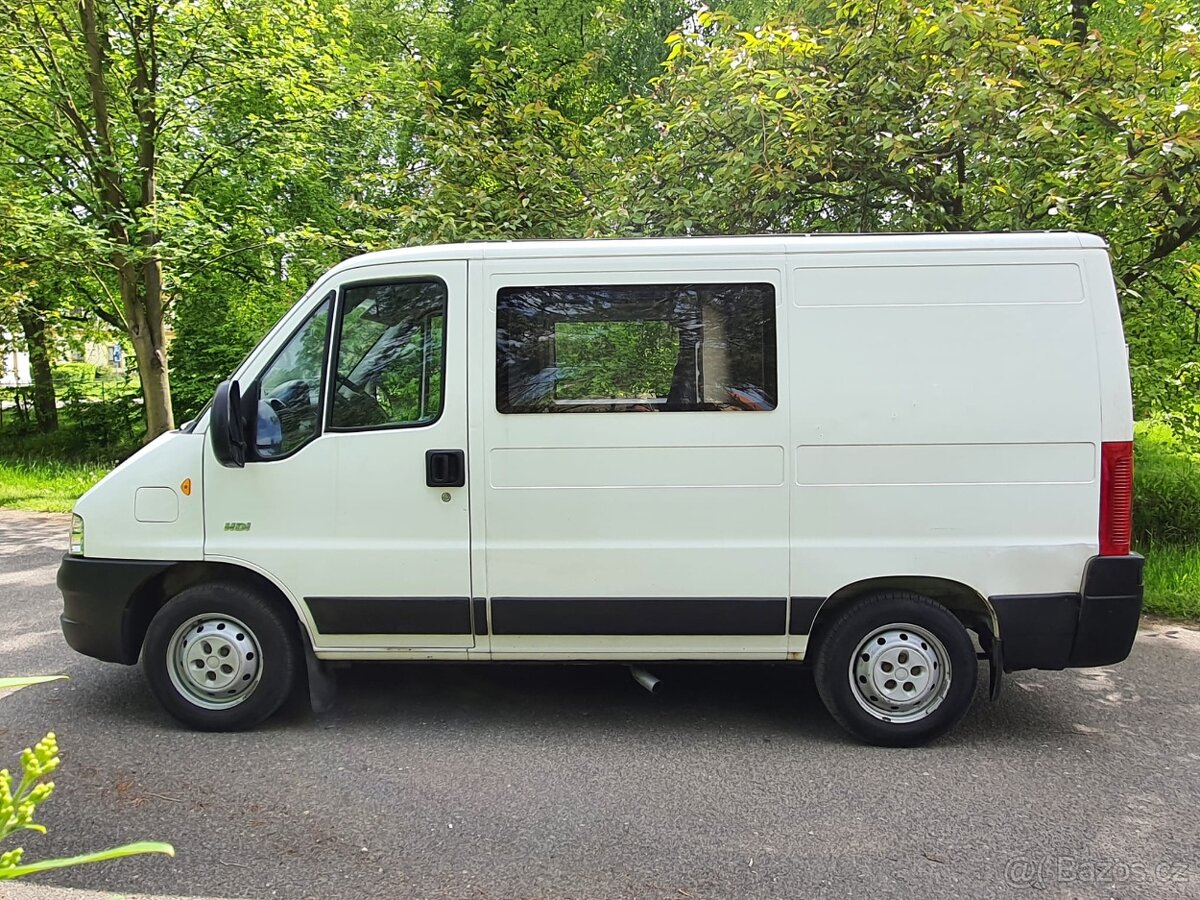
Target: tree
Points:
(32, 316)
(119, 111)
(22, 314)
(898, 116)
(509, 138)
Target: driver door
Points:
(355, 500)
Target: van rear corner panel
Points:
(1116, 396)
(948, 418)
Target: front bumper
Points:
(1094, 627)
(98, 612)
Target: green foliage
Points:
(416, 369)
(618, 360)
(106, 433)
(19, 803)
(1166, 495)
(217, 322)
(99, 419)
(897, 116)
(283, 139)
(148, 143)
(1181, 405)
(621, 41)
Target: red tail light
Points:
(1116, 497)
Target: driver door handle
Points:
(445, 468)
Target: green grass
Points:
(46, 486)
(1172, 579)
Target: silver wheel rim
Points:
(900, 673)
(214, 661)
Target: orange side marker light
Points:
(186, 487)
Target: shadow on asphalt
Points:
(595, 700)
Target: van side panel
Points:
(946, 419)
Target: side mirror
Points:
(228, 426)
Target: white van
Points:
(859, 451)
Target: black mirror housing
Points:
(249, 415)
(227, 427)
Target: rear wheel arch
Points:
(896, 668)
(968, 605)
(154, 593)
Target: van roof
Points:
(732, 245)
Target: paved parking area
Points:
(487, 781)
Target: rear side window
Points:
(636, 348)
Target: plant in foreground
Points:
(18, 804)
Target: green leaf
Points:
(136, 849)
(11, 684)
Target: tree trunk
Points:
(138, 262)
(156, 388)
(45, 404)
(1081, 11)
(141, 294)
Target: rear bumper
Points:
(97, 618)
(1094, 627)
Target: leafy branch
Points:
(18, 805)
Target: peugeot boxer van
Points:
(895, 458)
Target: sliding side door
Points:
(634, 473)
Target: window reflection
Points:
(636, 348)
(391, 355)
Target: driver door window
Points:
(390, 356)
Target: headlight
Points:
(76, 535)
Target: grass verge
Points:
(46, 486)
(1172, 579)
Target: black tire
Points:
(269, 638)
(840, 647)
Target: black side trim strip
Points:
(639, 615)
(804, 610)
(391, 615)
(479, 614)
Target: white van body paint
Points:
(942, 404)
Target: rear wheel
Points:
(896, 669)
(220, 658)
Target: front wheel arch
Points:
(209, 638)
(154, 593)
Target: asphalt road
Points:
(572, 782)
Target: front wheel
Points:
(896, 669)
(219, 658)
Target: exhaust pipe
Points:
(644, 678)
